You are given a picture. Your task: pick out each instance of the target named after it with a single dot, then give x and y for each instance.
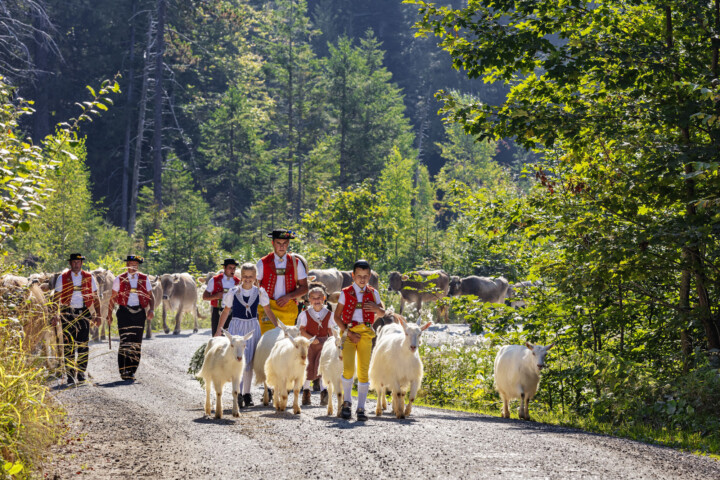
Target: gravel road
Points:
(156, 428)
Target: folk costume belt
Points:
(74, 311)
(133, 290)
(134, 309)
(77, 288)
(280, 271)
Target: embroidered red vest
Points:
(315, 329)
(270, 274)
(351, 302)
(68, 288)
(126, 290)
(218, 287)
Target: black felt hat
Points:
(282, 234)
(230, 261)
(76, 256)
(134, 258)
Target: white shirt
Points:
(76, 301)
(303, 319)
(227, 284)
(227, 301)
(357, 314)
(280, 281)
(133, 300)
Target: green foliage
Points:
(22, 169)
(347, 224)
(181, 233)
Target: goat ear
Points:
(425, 327)
(294, 342)
(550, 346)
(248, 336)
(313, 339)
(529, 345)
(227, 334)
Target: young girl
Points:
(242, 301)
(316, 321)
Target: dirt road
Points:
(156, 428)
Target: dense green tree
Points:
(366, 108)
(628, 100)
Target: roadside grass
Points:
(30, 420)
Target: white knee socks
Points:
(362, 394)
(322, 385)
(347, 389)
(306, 385)
(246, 381)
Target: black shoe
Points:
(247, 399)
(70, 380)
(360, 414)
(324, 398)
(80, 377)
(269, 394)
(240, 400)
(345, 411)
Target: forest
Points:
(574, 144)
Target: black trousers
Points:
(76, 333)
(130, 327)
(215, 319)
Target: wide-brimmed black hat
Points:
(76, 256)
(282, 234)
(134, 258)
(230, 261)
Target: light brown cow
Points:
(179, 295)
(418, 287)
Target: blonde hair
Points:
(317, 290)
(248, 266)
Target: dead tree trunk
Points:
(157, 123)
(128, 124)
(142, 107)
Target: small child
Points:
(242, 301)
(316, 322)
(356, 310)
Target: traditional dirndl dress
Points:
(244, 304)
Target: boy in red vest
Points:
(132, 291)
(282, 275)
(76, 292)
(218, 286)
(316, 322)
(356, 310)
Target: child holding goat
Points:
(243, 301)
(356, 310)
(316, 322)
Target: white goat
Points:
(223, 363)
(396, 365)
(262, 352)
(285, 370)
(331, 368)
(517, 375)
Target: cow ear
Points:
(404, 278)
(529, 345)
(312, 278)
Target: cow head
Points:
(413, 332)
(395, 282)
(454, 286)
(539, 352)
(238, 343)
(168, 282)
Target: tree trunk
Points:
(128, 124)
(291, 99)
(142, 107)
(158, 124)
(41, 117)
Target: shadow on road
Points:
(116, 383)
(205, 420)
(172, 335)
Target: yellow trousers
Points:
(362, 349)
(287, 315)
